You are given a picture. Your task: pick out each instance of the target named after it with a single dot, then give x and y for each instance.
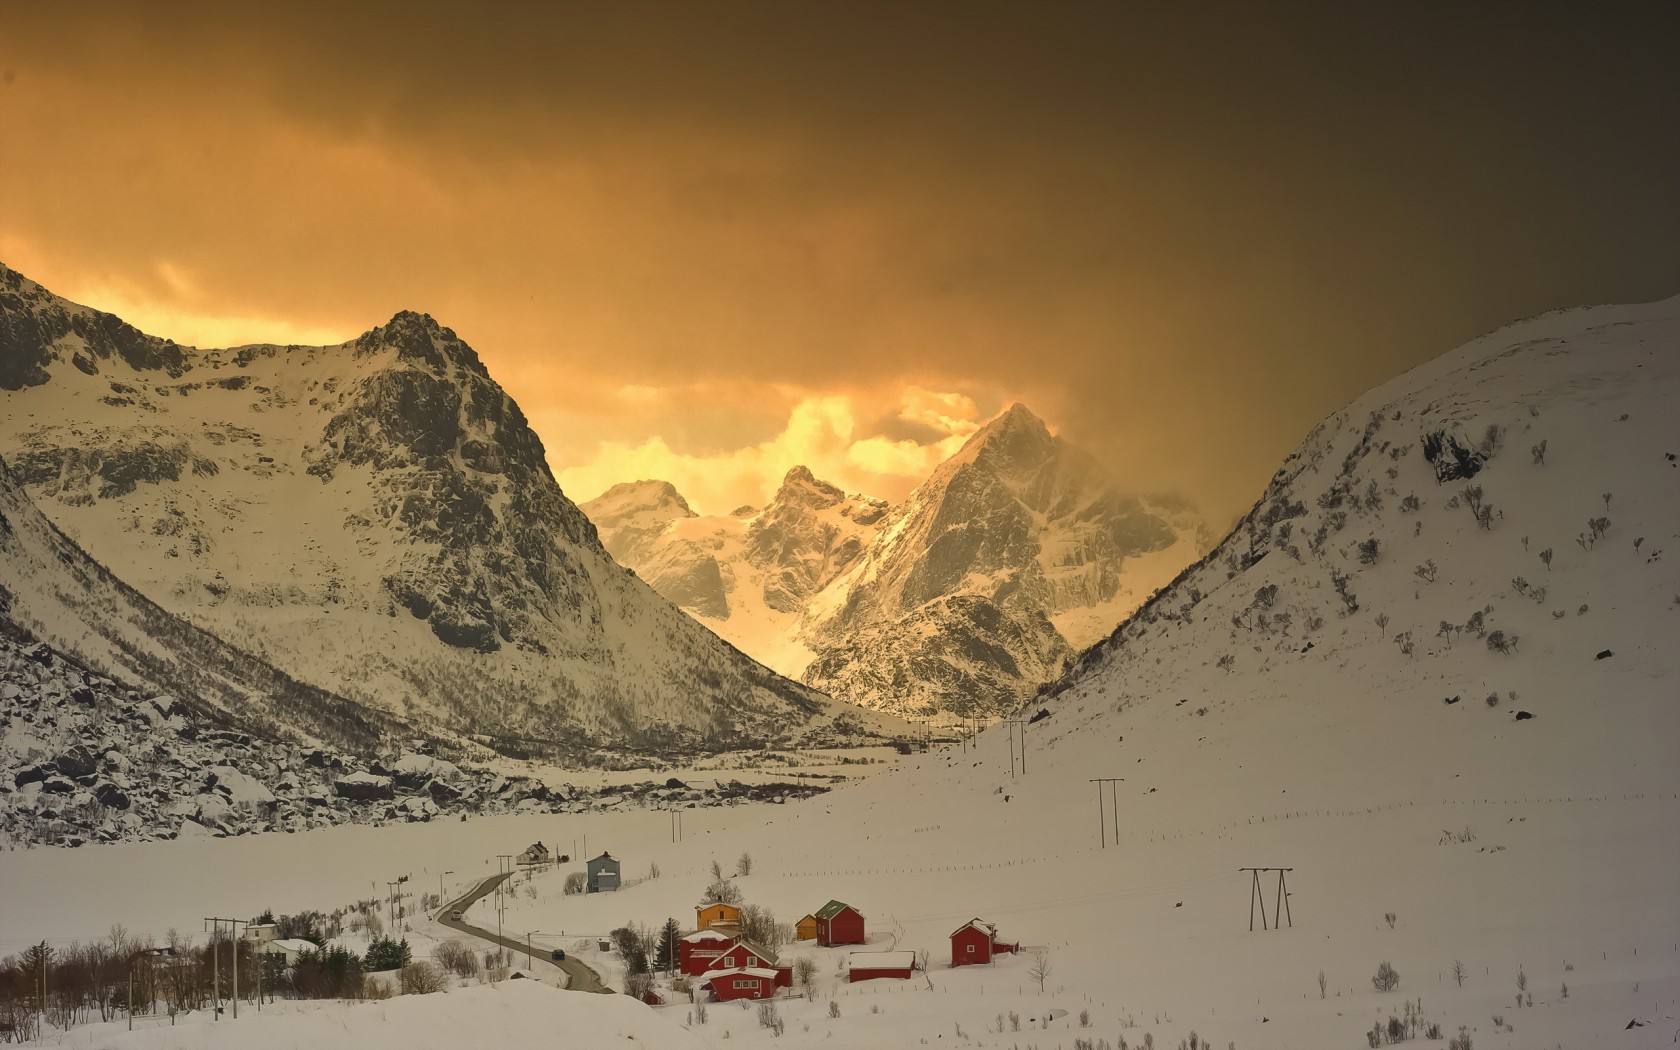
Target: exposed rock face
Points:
(801, 548)
(279, 496)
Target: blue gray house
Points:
(603, 873)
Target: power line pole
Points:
(1280, 912)
(1102, 821)
(216, 958)
(1017, 725)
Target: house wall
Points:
(844, 928)
(970, 947)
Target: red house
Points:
(869, 966)
(742, 955)
(839, 923)
(697, 951)
(749, 982)
(976, 942)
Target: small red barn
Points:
(839, 923)
(976, 942)
(698, 951)
(869, 966)
(750, 982)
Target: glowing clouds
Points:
(822, 432)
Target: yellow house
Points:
(708, 916)
(806, 929)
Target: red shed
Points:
(839, 923)
(741, 955)
(976, 942)
(697, 951)
(749, 982)
(868, 966)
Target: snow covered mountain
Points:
(376, 519)
(961, 599)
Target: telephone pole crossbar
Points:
(1280, 910)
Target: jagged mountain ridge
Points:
(376, 518)
(962, 598)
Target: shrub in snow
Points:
(422, 978)
(1386, 979)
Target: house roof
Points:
(883, 960)
(833, 908)
(808, 918)
(759, 953)
(706, 935)
(292, 944)
(975, 924)
(737, 971)
(718, 904)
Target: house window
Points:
(746, 984)
(971, 949)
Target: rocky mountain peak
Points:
(802, 487)
(421, 341)
(1014, 438)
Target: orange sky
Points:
(705, 242)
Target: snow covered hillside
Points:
(1508, 801)
(376, 519)
(961, 599)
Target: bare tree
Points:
(804, 969)
(1459, 972)
(1321, 984)
(1041, 969)
(744, 865)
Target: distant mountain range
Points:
(959, 600)
(373, 521)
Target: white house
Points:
(290, 947)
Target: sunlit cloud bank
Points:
(879, 444)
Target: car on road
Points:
(456, 915)
(558, 955)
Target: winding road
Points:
(580, 977)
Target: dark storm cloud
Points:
(1183, 232)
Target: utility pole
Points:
(1017, 725)
(216, 957)
(504, 866)
(441, 874)
(1280, 911)
(1102, 822)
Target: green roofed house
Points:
(839, 923)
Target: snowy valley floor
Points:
(1149, 936)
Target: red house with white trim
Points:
(742, 955)
(976, 942)
(839, 923)
(870, 966)
(698, 951)
(750, 982)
